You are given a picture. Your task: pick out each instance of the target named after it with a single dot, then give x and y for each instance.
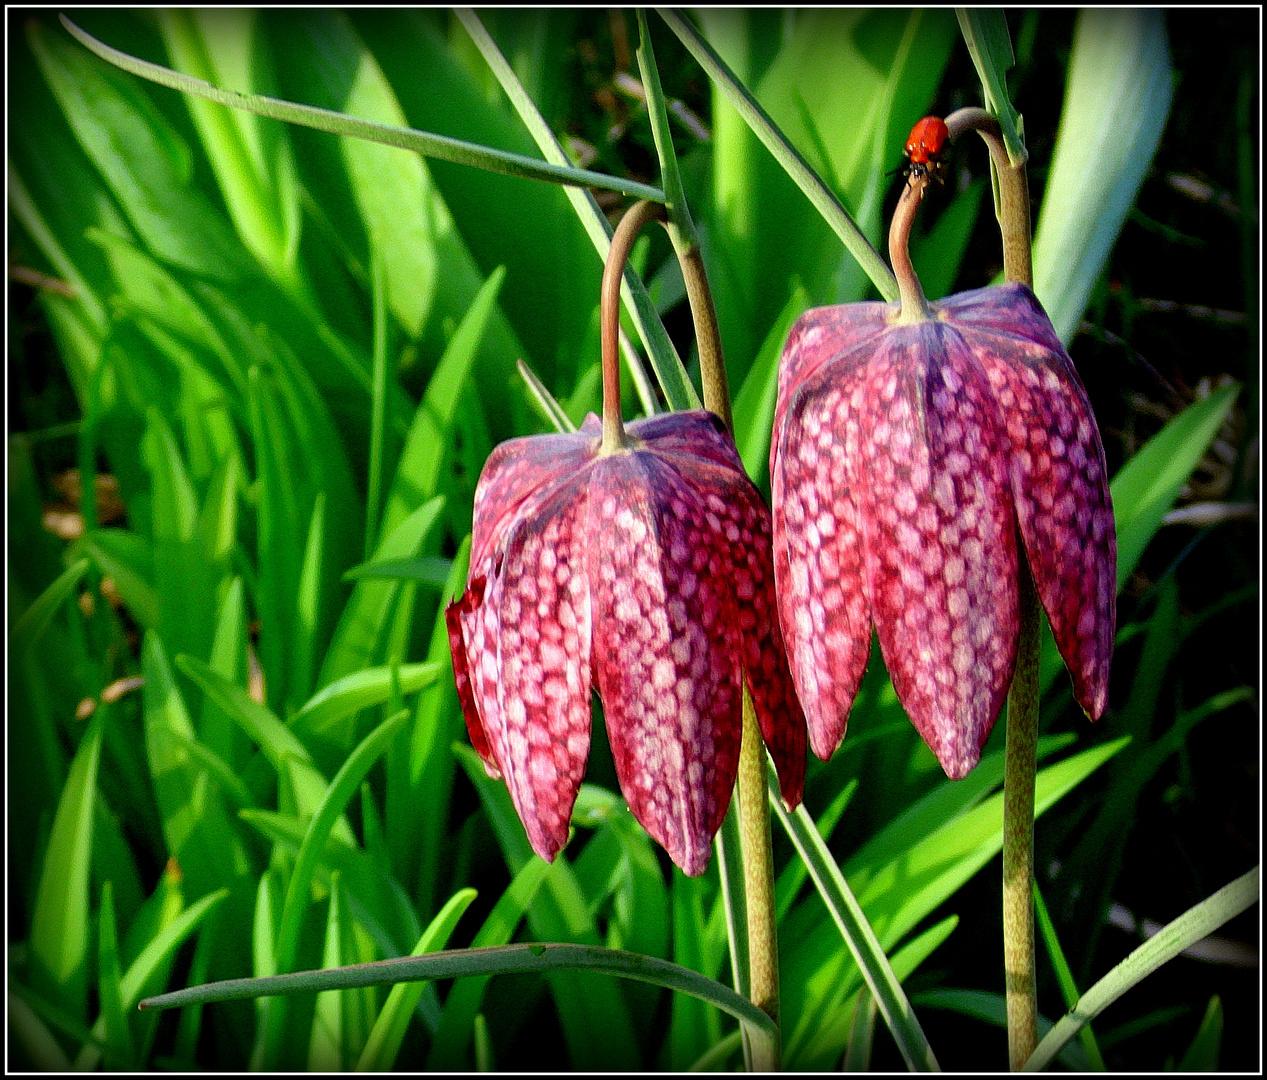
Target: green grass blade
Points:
(118, 1037)
(337, 796)
(911, 882)
(429, 145)
(144, 162)
(813, 187)
(679, 392)
(418, 473)
(418, 803)
(754, 405)
(361, 690)
(795, 873)
(251, 160)
(424, 571)
(29, 1032)
(1145, 488)
(1117, 98)
(1203, 1054)
(550, 408)
(298, 891)
(504, 959)
(448, 1048)
(35, 619)
(303, 647)
(195, 825)
(229, 661)
(1194, 924)
(59, 924)
(375, 899)
(128, 559)
(1064, 976)
(849, 918)
(985, 33)
(260, 723)
(388, 1032)
(326, 1045)
(694, 1026)
(359, 635)
(152, 963)
(596, 1023)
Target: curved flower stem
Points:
(613, 273)
(1020, 756)
(1013, 192)
(913, 305)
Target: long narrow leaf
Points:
(440, 147)
(1117, 98)
(59, 925)
(362, 690)
(448, 1050)
(388, 1033)
(678, 390)
(146, 968)
(340, 792)
(1169, 942)
(1064, 976)
(117, 1035)
(500, 960)
(863, 944)
(34, 621)
(294, 906)
(818, 193)
(1145, 487)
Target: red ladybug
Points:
(925, 146)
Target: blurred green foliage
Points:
(227, 757)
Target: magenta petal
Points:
(1059, 478)
(704, 457)
(666, 652)
(458, 616)
(940, 538)
(824, 604)
(533, 678)
(519, 474)
(843, 336)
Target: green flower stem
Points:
(707, 337)
(1020, 761)
(1019, 767)
(754, 812)
(1013, 192)
(684, 237)
(758, 868)
(755, 852)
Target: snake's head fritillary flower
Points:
(905, 462)
(647, 573)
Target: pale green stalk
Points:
(1020, 763)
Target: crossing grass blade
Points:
(421, 142)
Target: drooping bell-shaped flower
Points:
(647, 573)
(907, 457)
